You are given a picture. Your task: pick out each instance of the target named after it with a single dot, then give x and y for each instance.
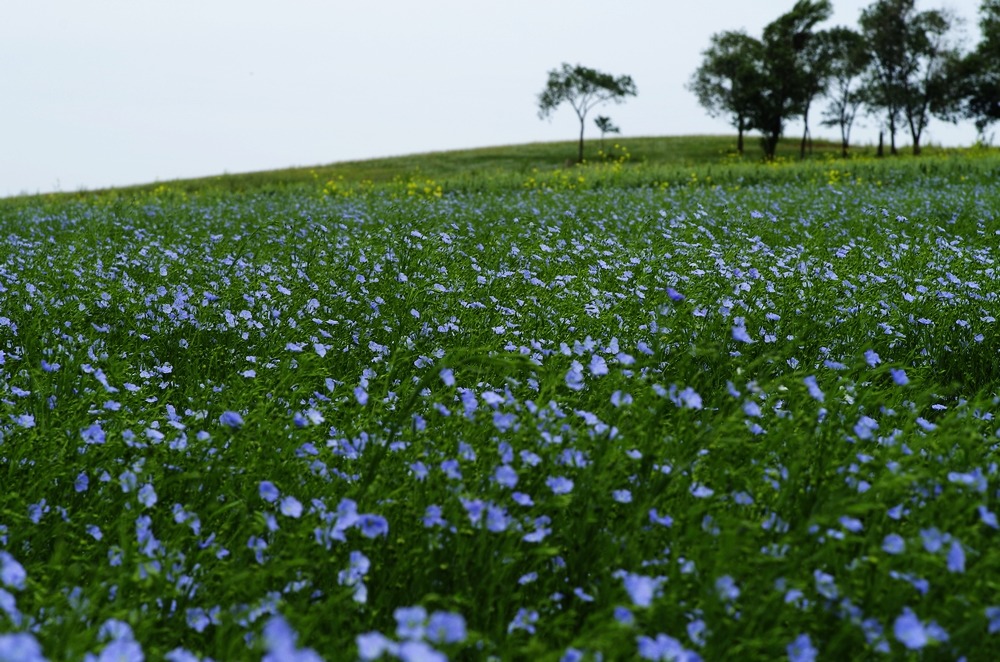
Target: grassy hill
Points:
(488, 162)
(641, 161)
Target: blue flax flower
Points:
(446, 628)
(802, 650)
(231, 419)
(20, 647)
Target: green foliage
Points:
(978, 72)
(728, 80)
(792, 69)
(908, 78)
(849, 59)
(793, 485)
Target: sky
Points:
(101, 93)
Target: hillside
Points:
(487, 162)
(643, 161)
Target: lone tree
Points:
(728, 79)
(605, 126)
(583, 89)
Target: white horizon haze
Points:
(114, 92)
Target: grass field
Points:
(666, 410)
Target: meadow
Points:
(627, 410)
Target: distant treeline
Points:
(900, 65)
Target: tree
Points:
(727, 81)
(788, 82)
(908, 73)
(582, 89)
(605, 126)
(979, 72)
(816, 67)
(849, 59)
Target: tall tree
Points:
(787, 83)
(728, 79)
(816, 67)
(979, 72)
(910, 52)
(849, 59)
(583, 89)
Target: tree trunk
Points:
(770, 145)
(805, 133)
(892, 136)
(881, 144)
(579, 158)
(739, 141)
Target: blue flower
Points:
(122, 650)
(622, 496)
(268, 492)
(899, 376)
(956, 558)
(291, 507)
(524, 619)
(893, 544)
(640, 588)
(813, 387)
(147, 495)
(432, 516)
(865, 427)
(852, 524)
(802, 650)
(993, 616)
(419, 651)
(740, 333)
(373, 526)
(506, 475)
(664, 648)
(825, 585)
(231, 419)
(279, 638)
(410, 622)
(726, 588)
(598, 366)
(93, 434)
(372, 645)
(909, 630)
(656, 518)
(446, 628)
(559, 484)
(12, 573)
(574, 376)
(701, 491)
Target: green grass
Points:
(485, 164)
(522, 402)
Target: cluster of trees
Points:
(900, 65)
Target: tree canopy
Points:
(901, 65)
(728, 79)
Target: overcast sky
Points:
(111, 92)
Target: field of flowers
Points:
(667, 423)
